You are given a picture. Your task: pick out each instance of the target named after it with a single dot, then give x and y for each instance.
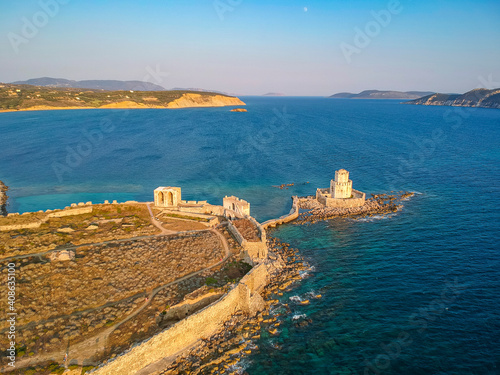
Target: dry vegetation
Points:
(106, 222)
(68, 300)
(247, 229)
(114, 261)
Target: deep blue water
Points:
(414, 293)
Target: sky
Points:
(252, 47)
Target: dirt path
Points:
(82, 352)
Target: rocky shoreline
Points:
(378, 204)
(3, 199)
(226, 350)
(222, 352)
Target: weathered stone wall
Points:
(22, 226)
(292, 215)
(37, 224)
(243, 297)
(240, 206)
(357, 200)
(254, 250)
(72, 211)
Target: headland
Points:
(158, 287)
(35, 98)
(483, 98)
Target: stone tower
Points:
(341, 187)
(167, 196)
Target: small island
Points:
(238, 110)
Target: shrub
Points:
(210, 281)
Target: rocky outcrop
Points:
(475, 98)
(3, 198)
(198, 100)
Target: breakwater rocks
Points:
(378, 204)
(223, 352)
(3, 199)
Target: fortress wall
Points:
(260, 229)
(255, 250)
(357, 200)
(37, 224)
(22, 226)
(292, 215)
(72, 211)
(236, 233)
(244, 297)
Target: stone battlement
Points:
(340, 194)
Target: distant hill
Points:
(28, 97)
(274, 94)
(376, 94)
(475, 98)
(92, 84)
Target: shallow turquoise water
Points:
(413, 293)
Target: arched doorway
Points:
(170, 199)
(160, 199)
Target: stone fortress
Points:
(169, 199)
(340, 194)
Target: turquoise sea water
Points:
(412, 293)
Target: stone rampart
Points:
(254, 250)
(357, 200)
(32, 225)
(243, 297)
(72, 211)
(292, 215)
(38, 223)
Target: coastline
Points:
(232, 321)
(188, 100)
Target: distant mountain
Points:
(376, 94)
(274, 94)
(111, 85)
(475, 98)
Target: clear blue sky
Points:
(255, 46)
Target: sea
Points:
(415, 292)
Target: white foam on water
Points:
(299, 316)
(295, 299)
(311, 294)
(373, 218)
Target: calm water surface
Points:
(412, 293)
